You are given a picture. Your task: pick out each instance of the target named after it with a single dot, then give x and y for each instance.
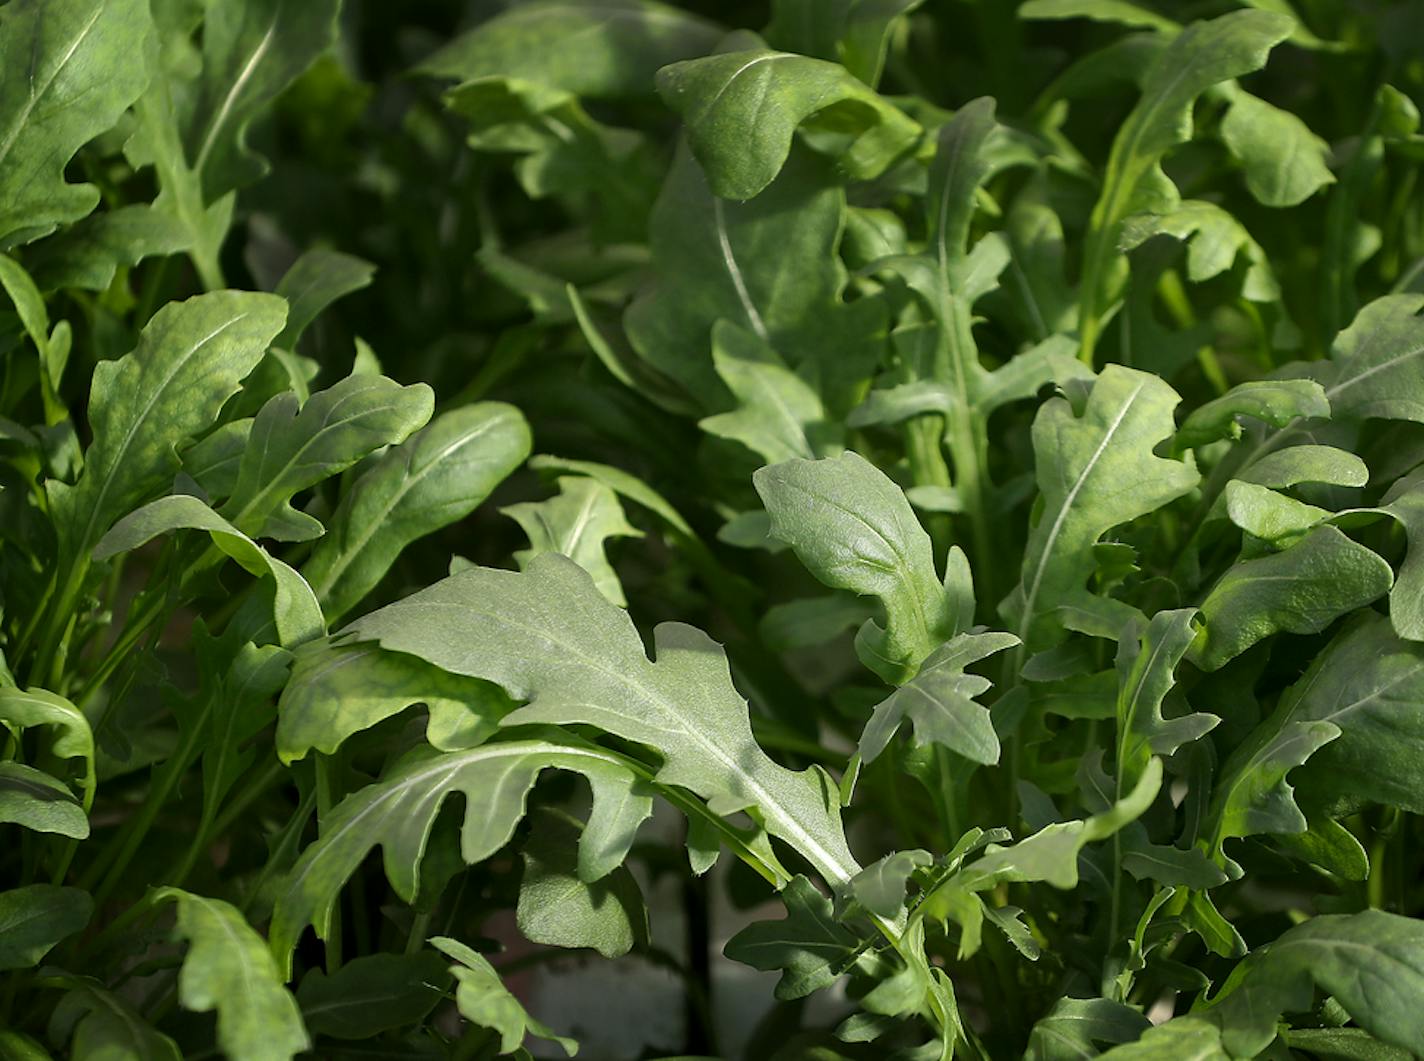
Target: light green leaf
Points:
(228, 968)
(372, 994)
(1371, 963)
(1405, 502)
(432, 479)
(595, 48)
(1267, 515)
(741, 110)
(336, 691)
(939, 701)
(98, 1024)
(73, 738)
(559, 909)
(575, 524)
(853, 529)
(880, 886)
(1301, 591)
(809, 945)
(33, 799)
(189, 360)
(34, 918)
(854, 33)
(1116, 12)
(1344, 1044)
(1074, 1027)
(1273, 402)
(1095, 471)
(1181, 1039)
(88, 254)
(1285, 162)
(316, 280)
(483, 999)
(1377, 363)
(398, 812)
(252, 50)
(68, 70)
(292, 448)
(549, 637)
(779, 414)
(1306, 464)
(1214, 241)
(295, 609)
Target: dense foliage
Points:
(979, 503)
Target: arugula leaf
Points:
(35, 918)
(482, 998)
(575, 524)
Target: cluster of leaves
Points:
(984, 437)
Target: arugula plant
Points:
(980, 508)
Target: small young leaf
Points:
(810, 947)
(482, 998)
(576, 524)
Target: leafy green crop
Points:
(922, 499)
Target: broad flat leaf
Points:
(558, 909)
(809, 945)
(575, 524)
(72, 739)
(853, 529)
(483, 999)
(294, 446)
(1346, 1044)
(99, 1024)
(939, 702)
(769, 265)
(1181, 1039)
(1095, 470)
(189, 360)
(779, 415)
(1371, 963)
(1074, 1027)
(213, 462)
(1377, 363)
(68, 70)
(252, 50)
(1268, 515)
(295, 609)
(1214, 241)
(741, 110)
(880, 886)
(854, 33)
(34, 918)
(432, 479)
(1285, 163)
(1146, 664)
(316, 280)
(398, 812)
(336, 691)
(1405, 502)
(1301, 591)
(228, 968)
(549, 637)
(33, 799)
(595, 48)
(88, 254)
(1274, 402)
(372, 994)
(1307, 464)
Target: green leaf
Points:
(1214, 241)
(741, 110)
(1146, 663)
(576, 524)
(559, 909)
(853, 529)
(549, 637)
(432, 479)
(1181, 1039)
(1306, 464)
(189, 360)
(88, 254)
(1377, 363)
(228, 968)
(372, 994)
(295, 609)
(252, 50)
(73, 738)
(1285, 163)
(336, 691)
(398, 812)
(880, 886)
(316, 280)
(809, 945)
(294, 446)
(779, 415)
(1345, 1044)
(1300, 591)
(68, 70)
(595, 48)
(1116, 12)
(854, 33)
(1369, 962)
(939, 702)
(33, 799)
(1095, 470)
(483, 999)
(36, 917)
(98, 1024)
(1273, 402)
(1074, 1027)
